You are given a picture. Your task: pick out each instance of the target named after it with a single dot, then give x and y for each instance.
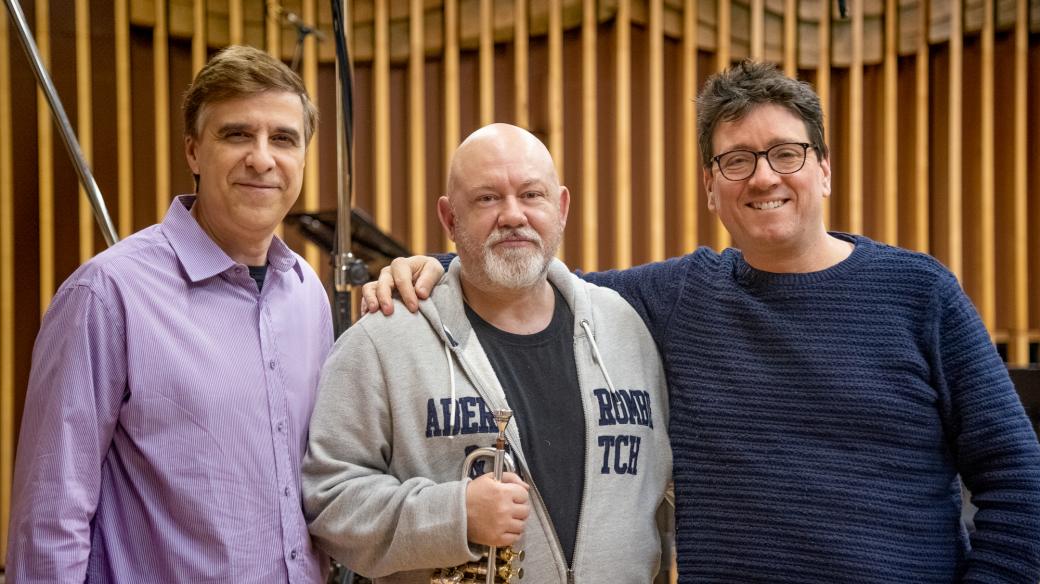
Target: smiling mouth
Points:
(767, 205)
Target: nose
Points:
(259, 157)
(511, 213)
(764, 176)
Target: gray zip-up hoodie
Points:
(381, 480)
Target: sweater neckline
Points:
(746, 275)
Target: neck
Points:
(247, 249)
(521, 311)
(826, 252)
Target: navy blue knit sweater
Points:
(819, 422)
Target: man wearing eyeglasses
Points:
(826, 390)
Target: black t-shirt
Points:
(258, 273)
(540, 380)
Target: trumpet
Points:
(488, 570)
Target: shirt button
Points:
(271, 364)
(281, 426)
(292, 555)
(286, 491)
(238, 269)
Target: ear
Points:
(709, 184)
(447, 217)
(191, 147)
(565, 204)
(825, 169)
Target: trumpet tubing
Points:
(497, 565)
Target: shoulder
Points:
(146, 250)
(903, 266)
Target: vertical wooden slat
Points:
(273, 43)
(556, 95)
(823, 84)
(235, 21)
(311, 172)
(451, 87)
(487, 62)
(273, 29)
(723, 42)
(1018, 341)
(7, 337)
(417, 128)
(556, 83)
(198, 35)
(691, 160)
(124, 140)
(656, 152)
(986, 219)
(758, 29)
(521, 85)
(381, 114)
(954, 211)
(84, 123)
(623, 137)
(45, 157)
(922, 148)
(889, 228)
(854, 220)
(791, 37)
(589, 139)
(160, 71)
(723, 35)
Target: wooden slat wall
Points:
(45, 158)
(690, 162)
(1018, 342)
(124, 145)
(161, 91)
(931, 167)
(84, 122)
(589, 202)
(418, 206)
(7, 307)
(623, 136)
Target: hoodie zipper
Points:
(522, 463)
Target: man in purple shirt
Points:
(174, 375)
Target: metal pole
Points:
(97, 202)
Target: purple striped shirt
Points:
(166, 417)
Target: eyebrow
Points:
(233, 127)
(770, 144)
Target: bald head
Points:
(505, 208)
(499, 146)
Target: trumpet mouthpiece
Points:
(502, 418)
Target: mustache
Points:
(514, 233)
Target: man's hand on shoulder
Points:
(413, 278)
(496, 511)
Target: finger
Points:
(402, 273)
(428, 273)
(512, 478)
(368, 298)
(385, 291)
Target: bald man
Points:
(403, 400)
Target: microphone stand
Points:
(97, 202)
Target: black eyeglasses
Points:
(787, 158)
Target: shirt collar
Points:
(201, 257)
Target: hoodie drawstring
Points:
(599, 360)
(451, 381)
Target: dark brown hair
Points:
(239, 71)
(731, 94)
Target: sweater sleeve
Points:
(996, 450)
(652, 289)
(356, 509)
